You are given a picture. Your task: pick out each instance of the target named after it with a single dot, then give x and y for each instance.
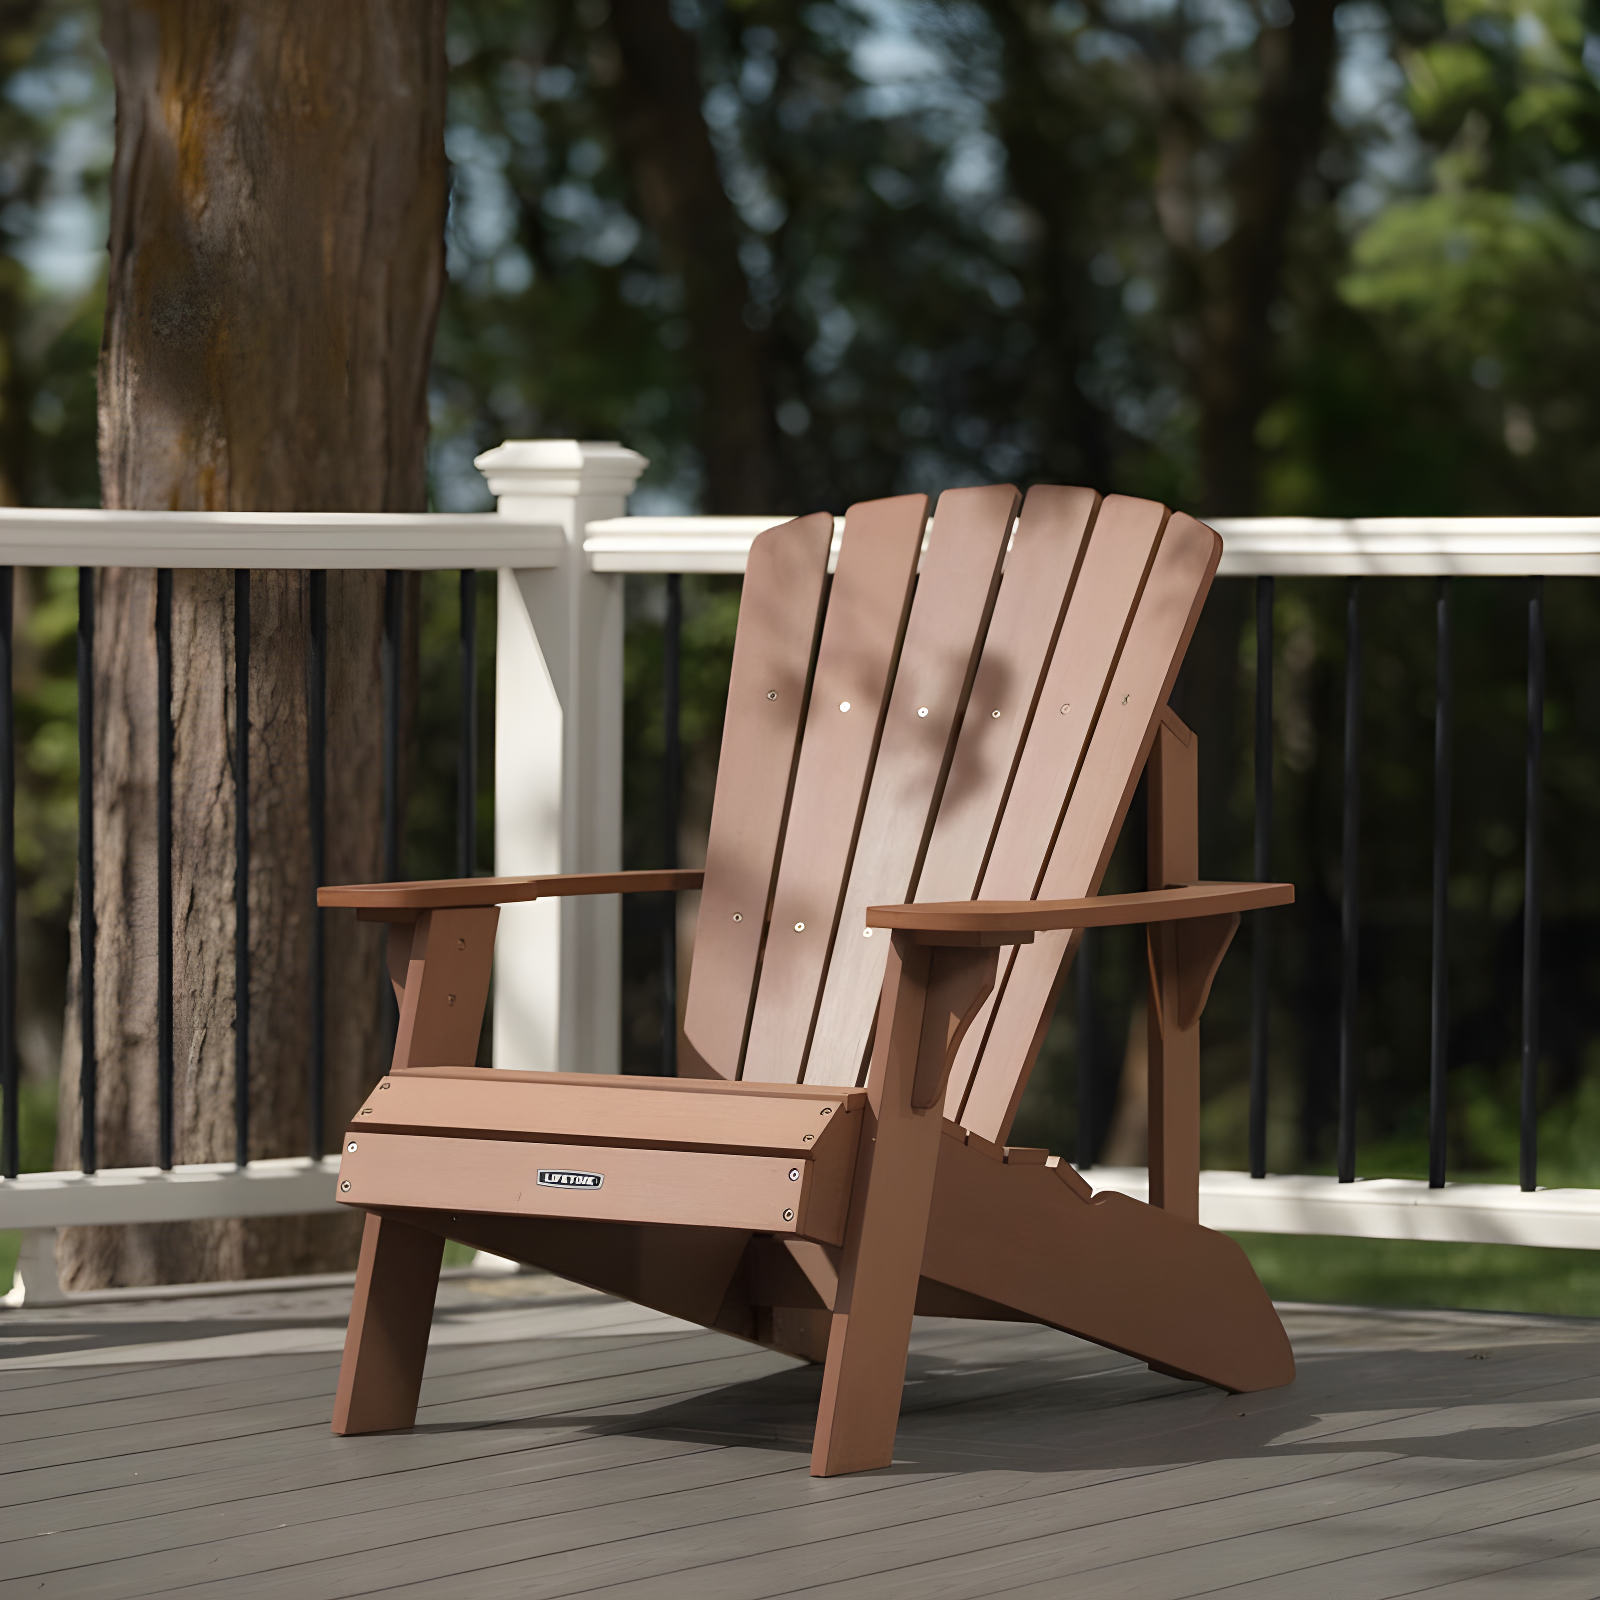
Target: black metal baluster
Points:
(1261, 936)
(1438, 1064)
(164, 1056)
(1088, 1106)
(1350, 898)
(88, 1060)
(467, 777)
(394, 599)
(1532, 907)
(10, 1135)
(241, 866)
(671, 653)
(317, 800)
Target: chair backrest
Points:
(977, 729)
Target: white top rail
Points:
(336, 540)
(1395, 547)
(1392, 547)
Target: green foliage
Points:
(1415, 1274)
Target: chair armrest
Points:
(1016, 921)
(400, 902)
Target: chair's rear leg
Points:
(380, 1377)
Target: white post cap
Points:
(545, 469)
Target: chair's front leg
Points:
(442, 986)
(386, 1343)
(929, 998)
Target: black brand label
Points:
(556, 1178)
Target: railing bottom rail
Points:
(290, 1187)
(1383, 1208)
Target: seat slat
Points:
(1040, 570)
(960, 577)
(778, 614)
(1180, 577)
(861, 637)
(593, 1112)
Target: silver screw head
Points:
(806, 1138)
(344, 1188)
(844, 705)
(994, 713)
(772, 694)
(738, 916)
(794, 1174)
(788, 1216)
(351, 1147)
(366, 1111)
(922, 711)
(799, 927)
(827, 1111)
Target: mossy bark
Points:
(276, 264)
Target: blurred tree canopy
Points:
(1247, 256)
(1255, 257)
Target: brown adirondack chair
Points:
(920, 785)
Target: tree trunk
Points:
(278, 202)
(1234, 373)
(655, 106)
(1039, 128)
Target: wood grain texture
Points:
(1162, 625)
(1041, 567)
(690, 1188)
(275, 264)
(779, 610)
(861, 636)
(955, 592)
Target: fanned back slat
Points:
(1147, 666)
(861, 637)
(778, 615)
(1110, 576)
(960, 575)
(1045, 552)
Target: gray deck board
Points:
(571, 1445)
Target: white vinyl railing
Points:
(562, 547)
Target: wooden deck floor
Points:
(572, 1445)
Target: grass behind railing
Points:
(1417, 1273)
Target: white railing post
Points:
(558, 759)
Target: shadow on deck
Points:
(569, 1444)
